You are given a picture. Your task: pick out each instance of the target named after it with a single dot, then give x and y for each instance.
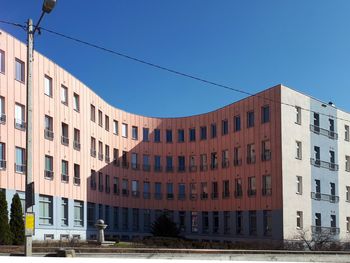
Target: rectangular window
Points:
(48, 86)
(48, 167)
(250, 119)
(146, 190)
(237, 123)
(100, 120)
(203, 162)
(115, 127)
(267, 221)
(347, 163)
(76, 179)
(135, 188)
(64, 136)
(266, 183)
(251, 157)
(239, 222)
(346, 135)
(116, 185)
(134, 161)
(251, 186)
(265, 114)
(224, 159)
(215, 222)
(226, 188)
(92, 113)
(64, 212)
(20, 71)
(124, 130)
(252, 223)
(45, 210)
(146, 220)
(238, 188)
(19, 117)
(299, 185)
(106, 123)
(299, 219)
(20, 160)
(91, 214)
(181, 135)
(182, 216)
(213, 130)
(194, 222)
(145, 137)
(78, 213)
(64, 95)
(169, 163)
(298, 150)
(2, 110)
(93, 179)
(48, 132)
(107, 158)
(135, 219)
(115, 218)
(318, 222)
(298, 115)
(213, 160)
(76, 139)
(204, 190)
(169, 191)
(134, 133)
(125, 187)
(192, 133)
(203, 130)
(158, 190)
(76, 103)
(156, 135)
(157, 163)
(2, 156)
(182, 166)
(2, 61)
(64, 171)
(169, 136)
(214, 190)
(224, 127)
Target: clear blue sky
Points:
(246, 44)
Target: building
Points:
(261, 168)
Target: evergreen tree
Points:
(163, 226)
(16, 221)
(5, 233)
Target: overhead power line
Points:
(176, 72)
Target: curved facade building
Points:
(255, 169)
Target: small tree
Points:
(5, 233)
(163, 226)
(16, 221)
(318, 240)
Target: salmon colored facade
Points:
(218, 175)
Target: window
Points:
(252, 222)
(48, 132)
(125, 218)
(20, 160)
(182, 166)
(106, 123)
(76, 179)
(265, 114)
(181, 135)
(64, 136)
(134, 162)
(135, 219)
(93, 180)
(169, 136)
(213, 160)
(107, 183)
(226, 188)
(92, 113)
(332, 157)
(45, 210)
(156, 135)
(224, 127)
(224, 159)
(182, 191)
(146, 220)
(169, 163)
(157, 163)
(100, 150)
(146, 190)
(203, 130)
(93, 147)
(169, 191)
(251, 157)
(251, 186)
(135, 188)
(64, 95)
(204, 190)
(146, 163)
(125, 187)
(203, 162)
(100, 120)
(205, 222)
(182, 216)
(333, 221)
(78, 213)
(115, 217)
(239, 222)
(250, 119)
(91, 214)
(214, 190)
(158, 190)
(266, 190)
(145, 136)
(192, 134)
(64, 212)
(267, 220)
(215, 222)
(48, 167)
(347, 194)
(237, 123)
(266, 150)
(115, 185)
(298, 115)
(19, 65)
(125, 163)
(124, 130)
(76, 141)
(2, 110)
(213, 130)
(194, 222)
(134, 133)
(318, 222)
(19, 117)
(115, 127)
(237, 160)
(347, 163)
(107, 158)
(48, 86)
(346, 133)
(298, 150)
(64, 171)
(299, 185)
(107, 215)
(2, 61)
(2, 156)
(238, 188)
(299, 220)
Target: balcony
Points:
(325, 197)
(76, 145)
(266, 191)
(48, 134)
(146, 167)
(330, 134)
(251, 159)
(193, 168)
(203, 167)
(325, 230)
(20, 168)
(2, 118)
(65, 178)
(225, 163)
(251, 192)
(100, 156)
(48, 174)
(157, 168)
(65, 140)
(2, 164)
(76, 180)
(266, 155)
(93, 153)
(20, 124)
(324, 164)
(237, 162)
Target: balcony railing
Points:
(266, 155)
(203, 167)
(251, 159)
(135, 193)
(76, 180)
(158, 196)
(225, 164)
(169, 196)
(324, 164)
(115, 190)
(193, 196)
(48, 134)
(169, 169)
(251, 192)
(214, 195)
(238, 193)
(116, 162)
(107, 159)
(213, 166)
(100, 187)
(204, 195)
(157, 168)
(20, 168)
(108, 189)
(135, 166)
(181, 196)
(266, 191)
(193, 168)
(146, 195)
(93, 152)
(330, 134)
(65, 140)
(146, 167)
(100, 156)
(325, 197)
(125, 164)
(125, 192)
(2, 164)
(65, 178)
(20, 124)
(181, 169)
(76, 145)
(93, 185)
(237, 162)
(2, 118)
(48, 174)
(225, 194)
(325, 230)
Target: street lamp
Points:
(48, 5)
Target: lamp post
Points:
(48, 5)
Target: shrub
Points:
(16, 221)
(5, 236)
(163, 226)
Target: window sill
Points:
(20, 81)
(78, 111)
(47, 95)
(64, 103)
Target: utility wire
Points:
(179, 73)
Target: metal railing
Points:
(125, 164)
(226, 194)
(330, 134)
(2, 118)
(64, 178)
(251, 192)
(251, 159)
(238, 193)
(48, 134)
(193, 168)
(100, 156)
(325, 230)
(225, 163)
(158, 168)
(20, 124)
(65, 140)
(237, 162)
(146, 167)
(93, 152)
(76, 180)
(76, 145)
(324, 164)
(107, 159)
(266, 155)
(20, 168)
(48, 174)
(213, 166)
(204, 195)
(2, 164)
(203, 167)
(93, 185)
(325, 197)
(146, 195)
(266, 191)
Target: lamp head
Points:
(48, 5)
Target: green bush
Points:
(16, 221)
(163, 226)
(5, 233)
